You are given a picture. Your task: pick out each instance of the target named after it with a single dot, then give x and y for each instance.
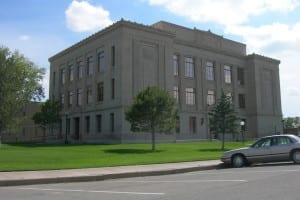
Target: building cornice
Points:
(116, 25)
(263, 58)
(206, 48)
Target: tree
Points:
(48, 116)
(289, 122)
(20, 82)
(153, 110)
(222, 118)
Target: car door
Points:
(260, 151)
(280, 147)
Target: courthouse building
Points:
(97, 78)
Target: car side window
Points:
(283, 141)
(276, 141)
(266, 142)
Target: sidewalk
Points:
(94, 174)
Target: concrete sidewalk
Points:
(94, 174)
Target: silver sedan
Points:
(275, 148)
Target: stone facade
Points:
(98, 77)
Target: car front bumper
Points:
(226, 160)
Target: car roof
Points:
(294, 137)
(289, 135)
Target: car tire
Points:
(296, 156)
(238, 161)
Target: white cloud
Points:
(224, 12)
(272, 37)
(45, 83)
(83, 17)
(276, 40)
(293, 91)
(24, 37)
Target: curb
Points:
(101, 177)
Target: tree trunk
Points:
(223, 140)
(153, 138)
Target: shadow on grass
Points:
(131, 151)
(213, 150)
(41, 145)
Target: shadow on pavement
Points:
(130, 151)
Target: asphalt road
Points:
(281, 181)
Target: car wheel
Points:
(296, 156)
(238, 161)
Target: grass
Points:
(17, 157)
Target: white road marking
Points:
(243, 171)
(89, 191)
(182, 181)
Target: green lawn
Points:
(14, 157)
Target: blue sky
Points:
(41, 28)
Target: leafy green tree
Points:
(20, 82)
(223, 119)
(48, 116)
(153, 110)
(289, 122)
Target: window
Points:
(100, 91)
(190, 96)
(71, 71)
(242, 101)
(89, 95)
(227, 74)
(79, 97)
(99, 123)
(87, 124)
(210, 71)
(265, 142)
(189, 67)
(63, 76)
(240, 76)
(90, 66)
(101, 61)
(70, 102)
(79, 70)
(176, 93)
(113, 56)
(175, 65)
(112, 122)
(62, 99)
(112, 88)
(192, 124)
(210, 97)
(282, 140)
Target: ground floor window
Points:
(112, 122)
(99, 123)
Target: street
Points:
(280, 181)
